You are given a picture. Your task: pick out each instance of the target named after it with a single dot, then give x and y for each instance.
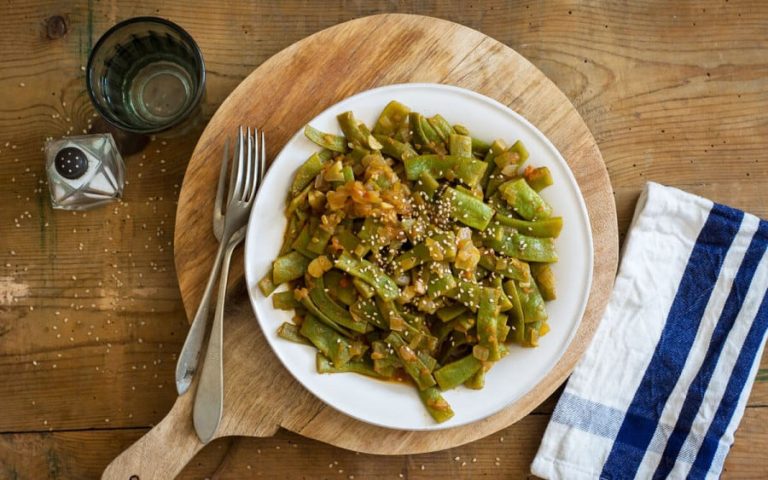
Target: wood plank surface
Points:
(675, 92)
(506, 454)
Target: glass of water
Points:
(146, 75)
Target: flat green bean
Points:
(306, 173)
(468, 170)
(532, 302)
(545, 280)
(467, 209)
(290, 332)
(455, 373)
(391, 119)
(524, 200)
(289, 267)
(363, 367)
(385, 287)
(510, 243)
(435, 404)
(411, 363)
(460, 146)
(425, 138)
(487, 311)
(539, 178)
(332, 310)
(443, 128)
(285, 300)
(393, 148)
(548, 227)
(266, 285)
(332, 142)
(330, 343)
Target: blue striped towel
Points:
(663, 386)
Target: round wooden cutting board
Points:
(280, 96)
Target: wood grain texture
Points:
(506, 454)
(635, 71)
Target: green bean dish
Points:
(415, 252)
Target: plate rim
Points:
(251, 283)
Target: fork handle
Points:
(186, 366)
(209, 398)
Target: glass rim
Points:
(89, 81)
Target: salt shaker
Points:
(84, 171)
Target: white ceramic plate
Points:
(395, 405)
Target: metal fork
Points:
(244, 180)
(209, 399)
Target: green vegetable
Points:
(531, 249)
(266, 285)
(467, 293)
(442, 128)
(365, 310)
(486, 322)
(385, 361)
(506, 266)
(524, 200)
(428, 183)
(301, 242)
(385, 287)
(446, 314)
(425, 138)
(411, 362)
(460, 146)
(441, 283)
(476, 381)
(289, 267)
(330, 343)
(545, 280)
(468, 170)
(455, 373)
(365, 290)
(332, 310)
(436, 404)
(539, 178)
(320, 238)
(467, 209)
(363, 367)
(393, 148)
(285, 301)
(549, 227)
(326, 140)
(531, 302)
(306, 173)
(356, 133)
(391, 119)
(291, 333)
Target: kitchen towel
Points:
(664, 383)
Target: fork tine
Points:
(233, 168)
(262, 160)
(256, 164)
(248, 167)
(218, 207)
(237, 187)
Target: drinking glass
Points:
(146, 75)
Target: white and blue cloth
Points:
(663, 386)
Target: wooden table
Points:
(90, 315)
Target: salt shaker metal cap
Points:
(84, 171)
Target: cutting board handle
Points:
(162, 452)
